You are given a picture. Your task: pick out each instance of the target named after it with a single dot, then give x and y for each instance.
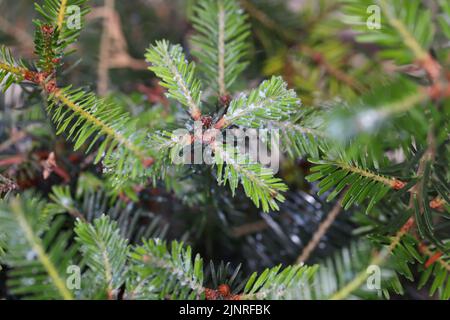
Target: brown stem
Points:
(321, 230)
(103, 64)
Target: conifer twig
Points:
(381, 257)
(61, 97)
(422, 56)
(12, 69)
(392, 182)
(62, 14)
(169, 63)
(37, 246)
(408, 38)
(221, 51)
(57, 94)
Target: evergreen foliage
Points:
(372, 147)
(221, 41)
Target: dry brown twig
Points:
(321, 230)
(113, 46)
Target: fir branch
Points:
(53, 35)
(97, 119)
(409, 40)
(61, 13)
(391, 182)
(409, 23)
(105, 253)
(100, 121)
(221, 41)
(379, 259)
(259, 183)
(177, 75)
(361, 183)
(36, 244)
(271, 101)
(417, 200)
(300, 139)
(221, 51)
(69, 100)
(11, 70)
(163, 274)
(17, 220)
(275, 284)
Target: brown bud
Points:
(47, 29)
(29, 76)
(224, 290)
(50, 86)
(437, 203)
(397, 184)
(147, 162)
(408, 225)
(40, 77)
